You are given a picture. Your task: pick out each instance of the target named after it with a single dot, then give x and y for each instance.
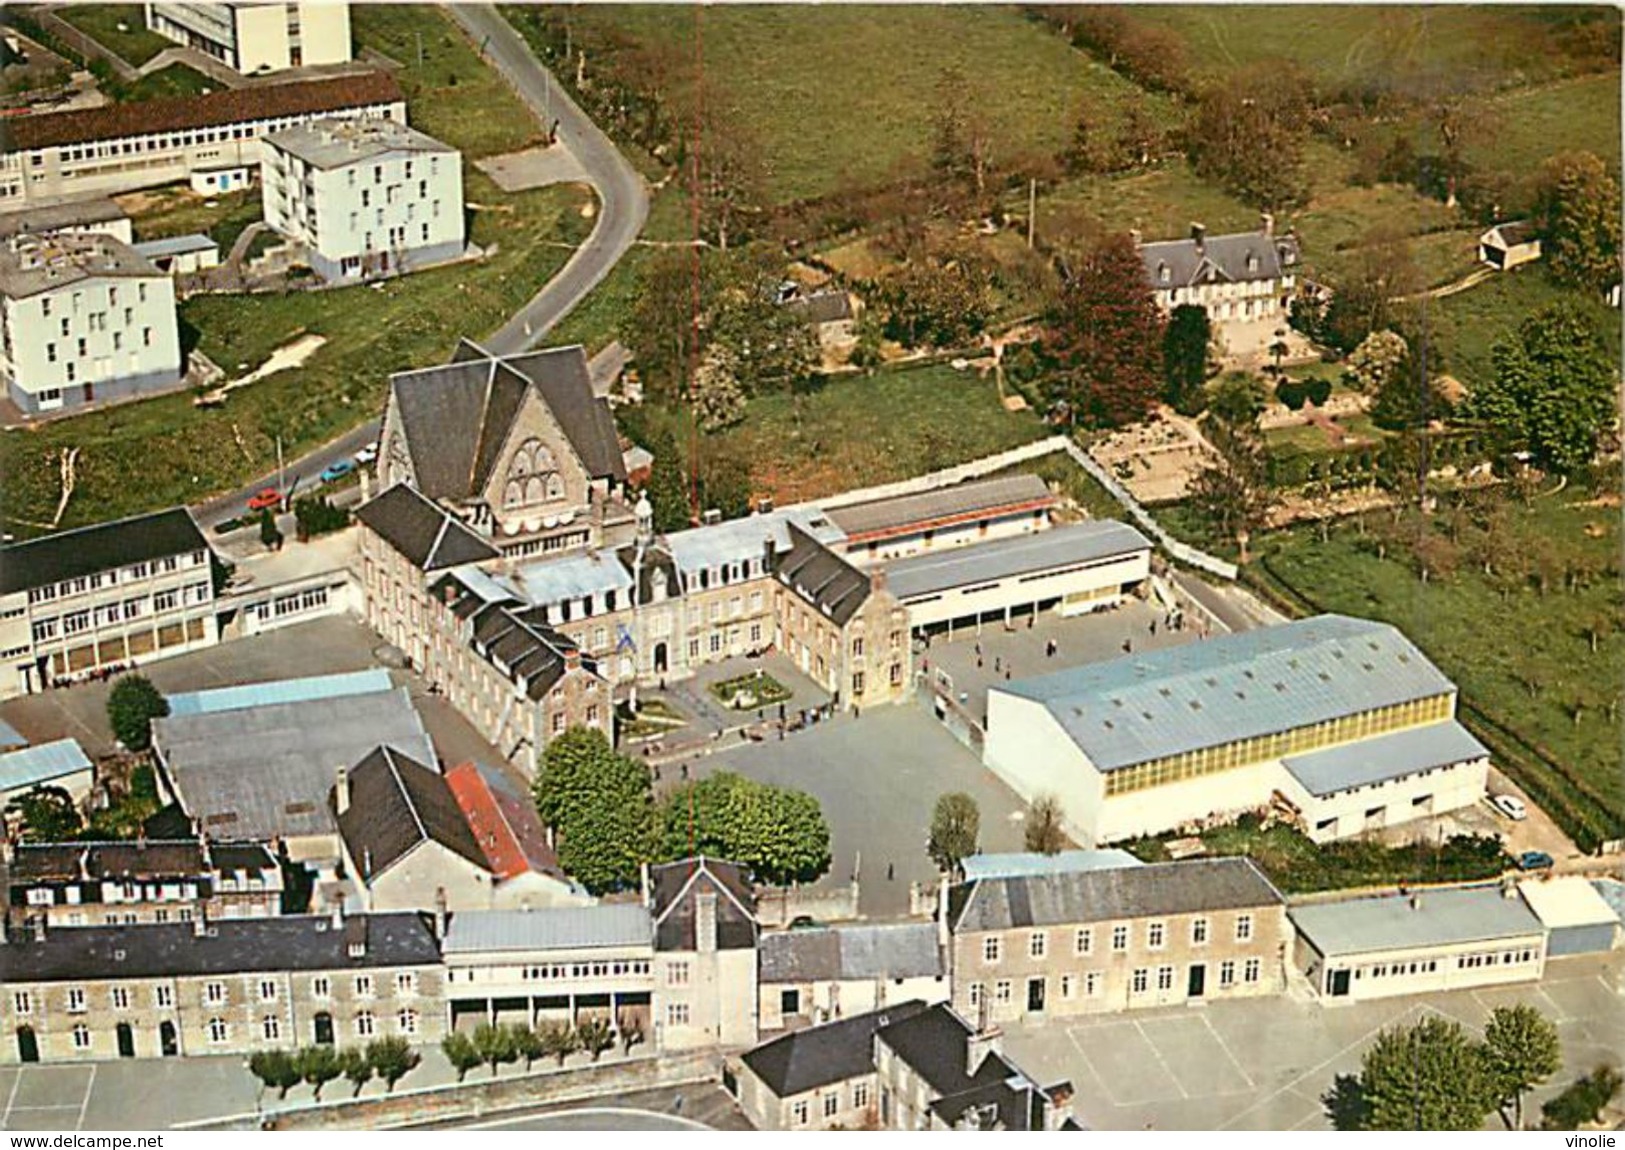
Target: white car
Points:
(1511, 806)
(367, 455)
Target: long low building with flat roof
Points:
(1070, 569)
(1344, 719)
(970, 512)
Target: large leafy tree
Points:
(668, 485)
(599, 806)
(277, 1069)
(132, 705)
(940, 297)
(1430, 1076)
(718, 399)
(1105, 337)
(48, 814)
(1408, 398)
(1578, 212)
(1184, 357)
(392, 1059)
(1248, 135)
(956, 822)
(1552, 393)
(1376, 359)
(1523, 1051)
(1043, 833)
(777, 832)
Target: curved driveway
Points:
(623, 206)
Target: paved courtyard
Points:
(1264, 1064)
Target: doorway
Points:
(1340, 983)
(324, 1029)
(1035, 995)
(1197, 983)
(660, 658)
(126, 1041)
(27, 1045)
(167, 1045)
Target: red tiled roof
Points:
(230, 106)
(504, 823)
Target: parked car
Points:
(368, 454)
(805, 922)
(269, 497)
(337, 470)
(1535, 860)
(1511, 806)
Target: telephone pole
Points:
(1032, 210)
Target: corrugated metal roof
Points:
(1097, 539)
(10, 736)
(1145, 706)
(962, 499)
(279, 691)
(1567, 900)
(574, 577)
(1385, 757)
(176, 245)
(1024, 863)
(41, 764)
(1451, 917)
(556, 928)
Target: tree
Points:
(1233, 491)
(956, 821)
(353, 1063)
(725, 483)
(599, 806)
(1582, 1101)
(961, 144)
(1249, 132)
(668, 486)
(527, 1043)
(319, 1065)
(941, 297)
(1237, 402)
(1105, 337)
(494, 1042)
(596, 1036)
(269, 535)
(277, 1069)
(1577, 212)
(1184, 357)
(559, 1040)
(731, 174)
(1552, 393)
(1430, 1076)
(1043, 833)
(47, 814)
(1377, 358)
(718, 399)
(664, 332)
(1523, 1051)
(777, 832)
(461, 1052)
(392, 1059)
(1409, 397)
(132, 705)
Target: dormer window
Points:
(1164, 274)
(1252, 263)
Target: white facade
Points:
(258, 36)
(85, 319)
(817, 1001)
(1372, 806)
(367, 198)
(1074, 589)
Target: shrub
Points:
(1582, 1101)
(1292, 393)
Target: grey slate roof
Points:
(42, 764)
(934, 1043)
(849, 953)
(574, 577)
(822, 578)
(674, 887)
(142, 859)
(427, 534)
(557, 928)
(263, 772)
(396, 804)
(824, 307)
(33, 264)
(979, 498)
(1146, 706)
(824, 1055)
(1189, 887)
(231, 946)
(1095, 541)
(49, 218)
(743, 540)
(521, 644)
(1376, 760)
(1219, 259)
(86, 550)
(1027, 863)
(1448, 917)
(457, 417)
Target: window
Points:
(76, 1000)
(832, 1104)
(1198, 932)
(406, 983)
(365, 1025)
(22, 1002)
(1036, 944)
(321, 987)
(790, 1002)
(1091, 983)
(1069, 986)
(1227, 973)
(1165, 978)
(676, 1014)
(974, 994)
(407, 1021)
(1141, 980)
(214, 993)
(1251, 971)
(218, 1032)
(1001, 990)
(801, 1112)
(1119, 939)
(121, 998)
(81, 1036)
(363, 986)
(267, 990)
(163, 997)
(677, 974)
(992, 946)
(1084, 942)
(1155, 935)
(1244, 927)
(271, 1027)
(860, 1095)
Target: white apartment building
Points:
(258, 35)
(118, 148)
(113, 594)
(365, 197)
(84, 319)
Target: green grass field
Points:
(178, 211)
(173, 82)
(1465, 327)
(1528, 126)
(844, 95)
(1489, 645)
(1161, 203)
(134, 45)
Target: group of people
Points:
(99, 675)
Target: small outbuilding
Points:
(1577, 918)
(1509, 245)
(59, 764)
(181, 255)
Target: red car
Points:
(270, 497)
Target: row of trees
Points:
(956, 826)
(1435, 1076)
(501, 1044)
(601, 807)
(387, 1059)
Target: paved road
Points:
(623, 207)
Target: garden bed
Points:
(749, 692)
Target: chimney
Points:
(877, 579)
(341, 791)
(643, 880)
(1266, 223)
(705, 921)
(440, 914)
(200, 923)
(943, 933)
(572, 658)
(1136, 235)
(768, 551)
(449, 595)
(39, 928)
(8, 850)
(979, 1044)
(1199, 235)
(338, 911)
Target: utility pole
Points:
(281, 474)
(1032, 210)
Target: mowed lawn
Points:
(1523, 128)
(845, 95)
(1465, 327)
(134, 44)
(1490, 646)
